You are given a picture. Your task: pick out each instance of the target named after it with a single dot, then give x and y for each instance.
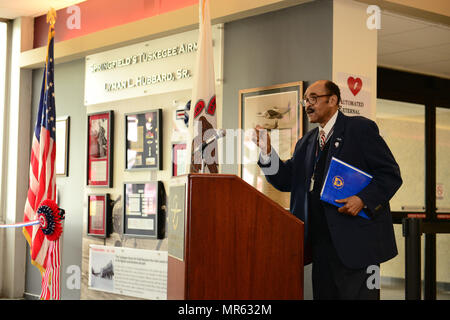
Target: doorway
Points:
(413, 115)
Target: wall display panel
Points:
(99, 215)
(176, 219)
(142, 211)
(179, 158)
(143, 146)
(62, 141)
(100, 133)
(276, 109)
(128, 271)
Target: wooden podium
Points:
(235, 242)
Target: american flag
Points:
(42, 184)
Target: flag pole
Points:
(51, 18)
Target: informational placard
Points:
(355, 94)
(151, 67)
(127, 271)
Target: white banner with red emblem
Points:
(203, 117)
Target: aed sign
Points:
(355, 94)
(151, 67)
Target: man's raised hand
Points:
(261, 138)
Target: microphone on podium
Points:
(218, 135)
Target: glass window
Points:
(3, 44)
(442, 163)
(3, 54)
(402, 125)
(442, 201)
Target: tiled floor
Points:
(396, 291)
(391, 288)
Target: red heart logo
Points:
(354, 85)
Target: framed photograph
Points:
(142, 209)
(99, 222)
(179, 158)
(62, 141)
(143, 140)
(277, 109)
(100, 135)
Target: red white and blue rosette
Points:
(50, 219)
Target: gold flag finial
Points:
(51, 16)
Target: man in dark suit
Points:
(341, 244)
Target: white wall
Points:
(355, 45)
(17, 159)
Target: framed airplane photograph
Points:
(276, 109)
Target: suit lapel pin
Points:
(338, 141)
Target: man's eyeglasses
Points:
(312, 99)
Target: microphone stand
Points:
(206, 143)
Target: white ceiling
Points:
(403, 42)
(11, 9)
(415, 45)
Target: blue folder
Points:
(343, 181)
